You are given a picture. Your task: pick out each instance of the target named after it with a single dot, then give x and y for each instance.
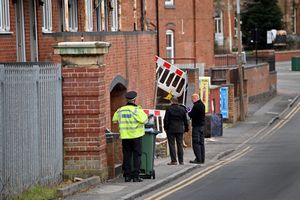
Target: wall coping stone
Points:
(81, 48)
(79, 54)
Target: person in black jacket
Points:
(197, 114)
(175, 124)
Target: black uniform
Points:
(175, 124)
(197, 115)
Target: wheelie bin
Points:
(148, 150)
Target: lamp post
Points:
(240, 67)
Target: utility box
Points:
(296, 63)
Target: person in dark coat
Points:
(197, 114)
(175, 124)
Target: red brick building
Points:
(136, 30)
(291, 15)
(226, 27)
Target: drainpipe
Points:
(157, 27)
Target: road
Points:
(267, 167)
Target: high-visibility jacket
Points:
(131, 121)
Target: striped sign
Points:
(170, 78)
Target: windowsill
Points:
(47, 32)
(6, 33)
(170, 6)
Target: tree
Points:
(260, 15)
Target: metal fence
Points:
(31, 145)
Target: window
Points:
(73, 15)
(89, 15)
(294, 18)
(101, 15)
(170, 45)
(169, 2)
(115, 15)
(218, 23)
(47, 16)
(235, 27)
(4, 16)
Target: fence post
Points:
(1, 127)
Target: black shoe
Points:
(127, 179)
(137, 180)
(195, 162)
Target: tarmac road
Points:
(266, 168)
(287, 81)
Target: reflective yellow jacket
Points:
(131, 121)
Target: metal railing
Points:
(31, 145)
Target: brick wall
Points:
(286, 55)
(260, 82)
(84, 118)
(258, 79)
(8, 41)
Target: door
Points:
(20, 35)
(33, 32)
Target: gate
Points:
(31, 145)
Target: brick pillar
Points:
(84, 108)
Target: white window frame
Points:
(89, 15)
(73, 15)
(101, 15)
(47, 16)
(294, 20)
(169, 2)
(170, 48)
(219, 22)
(235, 27)
(115, 15)
(4, 16)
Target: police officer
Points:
(131, 119)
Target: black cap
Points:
(131, 95)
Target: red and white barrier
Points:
(159, 121)
(170, 78)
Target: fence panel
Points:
(31, 121)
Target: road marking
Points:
(261, 131)
(203, 173)
(199, 175)
(283, 121)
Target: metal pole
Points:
(240, 67)
(256, 46)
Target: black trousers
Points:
(179, 141)
(132, 151)
(198, 143)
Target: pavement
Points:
(261, 115)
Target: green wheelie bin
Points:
(148, 151)
(296, 63)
